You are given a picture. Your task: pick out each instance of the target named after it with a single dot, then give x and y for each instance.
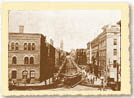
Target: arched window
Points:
(33, 46)
(14, 60)
(26, 60)
(24, 74)
(12, 46)
(14, 74)
(31, 60)
(8, 46)
(25, 46)
(32, 74)
(29, 46)
(16, 46)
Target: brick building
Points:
(50, 60)
(58, 58)
(28, 57)
(81, 57)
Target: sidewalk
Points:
(29, 84)
(97, 83)
(37, 86)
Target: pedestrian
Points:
(105, 84)
(88, 77)
(93, 79)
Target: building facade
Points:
(60, 56)
(88, 53)
(81, 58)
(57, 59)
(28, 60)
(50, 60)
(106, 51)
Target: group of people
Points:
(91, 78)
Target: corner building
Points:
(106, 52)
(27, 58)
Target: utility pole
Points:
(117, 74)
(117, 71)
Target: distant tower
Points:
(61, 45)
(51, 42)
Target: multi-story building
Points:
(81, 58)
(60, 56)
(106, 51)
(94, 58)
(50, 59)
(28, 58)
(89, 58)
(88, 53)
(57, 59)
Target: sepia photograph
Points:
(75, 49)
(64, 50)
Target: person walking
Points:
(102, 83)
(93, 79)
(105, 84)
(88, 77)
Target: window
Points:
(14, 74)
(14, 60)
(29, 46)
(33, 46)
(25, 46)
(12, 46)
(115, 42)
(31, 60)
(48, 51)
(114, 63)
(24, 74)
(21, 29)
(115, 52)
(8, 46)
(16, 46)
(26, 60)
(32, 74)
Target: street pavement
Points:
(76, 88)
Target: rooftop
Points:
(22, 34)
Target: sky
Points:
(75, 27)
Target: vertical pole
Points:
(45, 82)
(117, 71)
(49, 81)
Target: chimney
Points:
(51, 42)
(21, 29)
